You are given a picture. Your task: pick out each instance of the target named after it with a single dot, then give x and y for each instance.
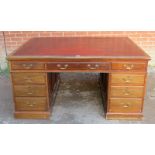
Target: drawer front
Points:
(78, 66)
(31, 104)
(122, 105)
(127, 79)
(120, 91)
(27, 65)
(29, 78)
(30, 90)
(129, 66)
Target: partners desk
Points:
(35, 68)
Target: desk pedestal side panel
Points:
(126, 96)
(33, 94)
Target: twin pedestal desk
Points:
(35, 68)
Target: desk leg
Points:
(53, 85)
(103, 82)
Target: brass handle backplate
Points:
(28, 79)
(127, 79)
(62, 66)
(92, 67)
(29, 93)
(27, 66)
(125, 105)
(128, 66)
(127, 92)
(29, 90)
(31, 104)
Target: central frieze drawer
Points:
(127, 79)
(30, 90)
(29, 78)
(78, 66)
(31, 103)
(122, 105)
(131, 91)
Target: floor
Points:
(78, 101)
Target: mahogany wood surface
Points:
(127, 91)
(128, 79)
(31, 104)
(29, 78)
(124, 105)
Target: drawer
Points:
(120, 91)
(127, 79)
(30, 90)
(31, 104)
(78, 66)
(121, 105)
(129, 66)
(29, 78)
(27, 65)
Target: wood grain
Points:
(30, 90)
(127, 91)
(28, 78)
(31, 104)
(123, 105)
(27, 65)
(128, 79)
(129, 66)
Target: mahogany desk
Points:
(122, 66)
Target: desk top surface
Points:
(83, 47)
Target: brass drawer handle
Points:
(29, 90)
(125, 105)
(128, 66)
(27, 66)
(29, 93)
(90, 66)
(28, 79)
(32, 104)
(127, 92)
(64, 66)
(127, 79)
